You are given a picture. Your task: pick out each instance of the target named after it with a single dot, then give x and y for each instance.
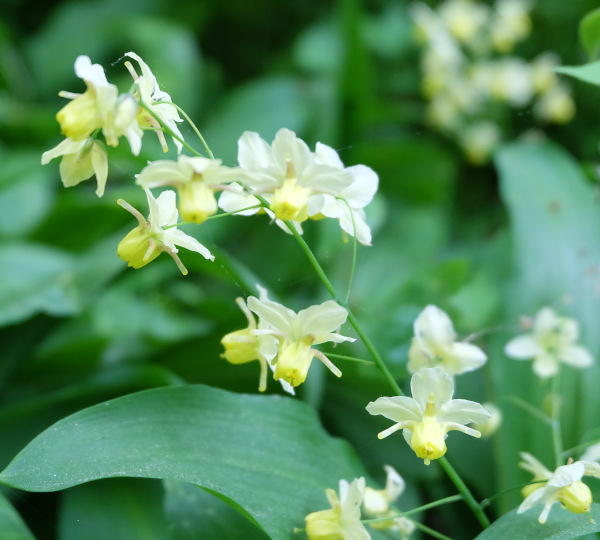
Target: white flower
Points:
(150, 94)
(286, 174)
(347, 204)
(479, 140)
(512, 81)
(297, 333)
(464, 18)
(564, 485)
(510, 24)
(434, 345)
(377, 501)
(430, 414)
(244, 346)
(342, 521)
(196, 180)
(150, 238)
(100, 106)
(551, 342)
(80, 160)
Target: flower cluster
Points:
(284, 339)
(342, 521)
(470, 80)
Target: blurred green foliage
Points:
(486, 244)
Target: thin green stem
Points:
(556, 430)
(189, 121)
(351, 359)
(351, 318)
(430, 531)
(465, 492)
(354, 245)
(529, 408)
(168, 130)
(488, 500)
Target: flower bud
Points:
(240, 346)
(135, 249)
(576, 498)
(428, 439)
(293, 362)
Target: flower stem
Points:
(465, 492)
(556, 430)
(351, 318)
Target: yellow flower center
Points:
(325, 525)
(428, 436)
(293, 362)
(196, 200)
(290, 200)
(135, 248)
(240, 346)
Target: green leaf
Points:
(11, 524)
(589, 33)
(194, 513)
(130, 508)
(561, 525)
(267, 456)
(35, 278)
(589, 73)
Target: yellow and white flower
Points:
(428, 416)
(564, 485)
(149, 93)
(150, 238)
(342, 521)
(196, 179)
(244, 345)
(552, 342)
(80, 161)
(100, 106)
(434, 345)
(297, 333)
(285, 173)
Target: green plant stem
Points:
(465, 492)
(430, 531)
(351, 318)
(556, 430)
(351, 359)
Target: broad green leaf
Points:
(117, 508)
(589, 73)
(267, 456)
(589, 33)
(11, 524)
(194, 513)
(561, 525)
(35, 278)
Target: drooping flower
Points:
(300, 184)
(80, 161)
(553, 341)
(342, 521)
(99, 107)
(297, 333)
(434, 345)
(428, 416)
(196, 179)
(564, 485)
(149, 93)
(150, 238)
(244, 345)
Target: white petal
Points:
(100, 164)
(397, 408)
(432, 380)
(576, 356)
(275, 315)
(462, 411)
(317, 320)
(67, 146)
(534, 466)
(545, 321)
(93, 73)
(235, 198)
(565, 475)
(328, 156)
(545, 365)
(591, 468)
(394, 484)
(464, 357)
(592, 453)
(253, 152)
(363, 188)
(167, 209)
(522, 347)
(179, 238)
(433, 328)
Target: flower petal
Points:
(522, 347)
(576, 356)
(432, 380)
(396, 408)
